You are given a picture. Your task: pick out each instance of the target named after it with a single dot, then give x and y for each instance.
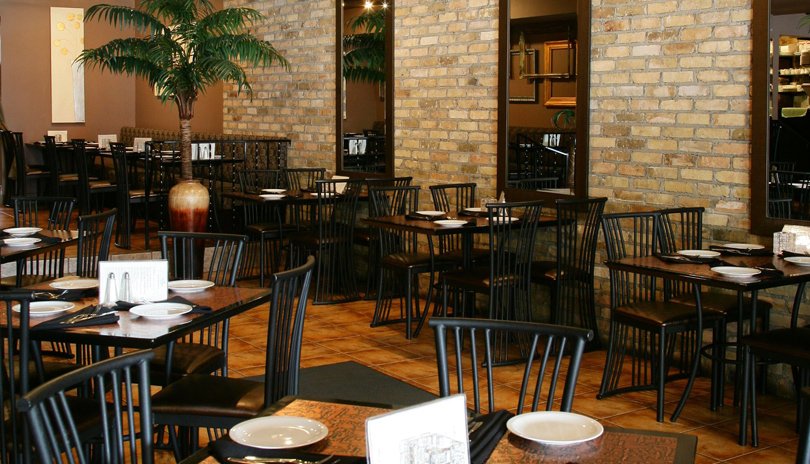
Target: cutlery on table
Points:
(50, 295)
(261, 460)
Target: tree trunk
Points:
(185, 106)
(185, 149)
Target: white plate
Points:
(274, 190)
(498, 219)
(743, 246)
(75, 284)
(271, 196)
(450, 222)
(22, 231)
(22, 241)
(738, 272)
(799, 260)
(555, 427)
(475, 210)
(189, 286)
(45, 308)
(699, 253)
(278, 432)
(430, 213)
(160, 310)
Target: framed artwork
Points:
(67, 76)
(522, 89)
(559, 59)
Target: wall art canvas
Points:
(67, 76)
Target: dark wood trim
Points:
(389, 94)
(761, 224)
(582, 156)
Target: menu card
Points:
(148, 280)
(104, 140)
(59, 136)
(435, 431)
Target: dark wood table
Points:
(346, 424)
(136, 332)
(431, 229)
(701, 274)
(10, 254)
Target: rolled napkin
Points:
(474, 213)
(224, 448)
(195, 308)
(64, 321)
(61, 295)
(47, 239)
(681, 259)
(484, 440)
(424, 217)
(741, 252)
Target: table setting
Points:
(25, 236)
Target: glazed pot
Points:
(188, 212)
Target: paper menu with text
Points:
(148, 279)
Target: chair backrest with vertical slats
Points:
(630, 235)
(95, 234)
(558, 348)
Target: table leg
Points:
(696, 356)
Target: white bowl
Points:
(736, 272)
(430, 213)
(22, 231)
(450, 222)
(699, 253)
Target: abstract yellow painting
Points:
(67, 76)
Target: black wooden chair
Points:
(452, 198)
(96, 430)
(473, 342)
(134, 188)
(221, 402)
(225, 255)
(40, 173)
(786, 345)
(89, 192)
(643, 329)
(93, 244)
(367, 237)
(570, 276)
(63, 174)
(270, 222)
(331, 240)
(204, 351)
(682, 229)
(505, 279)
(401, 262)
(23, 362)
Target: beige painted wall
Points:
(26, 74)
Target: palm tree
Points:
(182, 48)
(364, 57)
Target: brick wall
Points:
(670, 105)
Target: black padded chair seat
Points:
(792, 345)
(722, 303)
(187, 358)
(210, 396)
(660, 313)
(311, 240)
(405, 261)
(477, 256)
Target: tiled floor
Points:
(337, 333)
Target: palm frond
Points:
(126, 17)
(243, 47)
(229, 21)
(226, 71)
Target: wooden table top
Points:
(15, 253)
(132, 331)
(346, 424)
(424, 226)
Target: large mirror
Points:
(364, 84)
(544, 55)
(780, 170)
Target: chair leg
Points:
(662, 374)
(261, 261)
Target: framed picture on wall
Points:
(559, 59)
(522, 89)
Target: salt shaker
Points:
(111, 293)
(126, 290)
